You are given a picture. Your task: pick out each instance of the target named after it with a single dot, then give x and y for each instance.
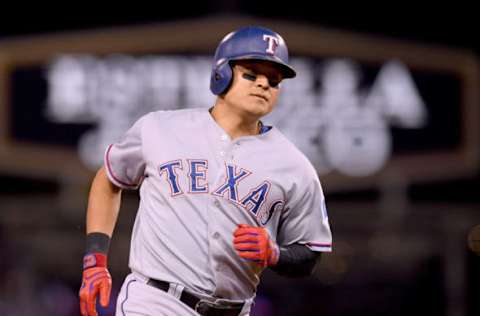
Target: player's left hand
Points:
(254, 244)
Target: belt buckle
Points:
(203, 306)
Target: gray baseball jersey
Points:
(197, 184)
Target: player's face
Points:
(255, 87)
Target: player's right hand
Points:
(254, 244)
(96, 280)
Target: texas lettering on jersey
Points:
(197, 176)
(192, 198)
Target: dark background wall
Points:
(355, 281)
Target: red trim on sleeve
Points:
(322, 245)
(317, 246)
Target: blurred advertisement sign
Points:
(362, 109)
(342, 127)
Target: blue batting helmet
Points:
(250, 42)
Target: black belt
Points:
(202, 307)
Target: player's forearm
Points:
(103, 205)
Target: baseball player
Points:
(222, 196)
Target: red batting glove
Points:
(254, 244)
(96, 279)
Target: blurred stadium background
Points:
(386, 107)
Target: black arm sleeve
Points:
(296, 261)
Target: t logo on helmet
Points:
(272, 43)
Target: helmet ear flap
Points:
(221, 78)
